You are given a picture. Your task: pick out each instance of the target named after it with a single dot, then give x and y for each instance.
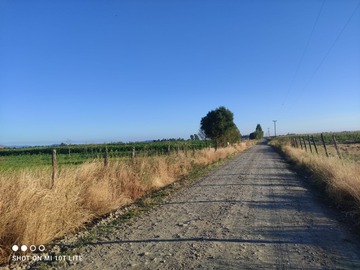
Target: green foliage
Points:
(232, 135)
(219, 126)
(258, 128)
(257, 134)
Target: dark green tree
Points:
(257, 134)
(219, 126)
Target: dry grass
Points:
(32, 213)
(349, 151)
(341, 178)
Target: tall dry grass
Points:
(341, 178)
(33, 214)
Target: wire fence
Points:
(329, 144)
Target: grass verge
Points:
(340, 179)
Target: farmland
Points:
(19, 158)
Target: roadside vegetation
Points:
(340, 177)
(33, 213)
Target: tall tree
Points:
(258, 133)
(219, 126)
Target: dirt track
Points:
(252, 213)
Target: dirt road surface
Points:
(252, 213)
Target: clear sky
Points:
(100, 71)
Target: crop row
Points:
(121, 149)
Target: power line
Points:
(332, 46)
(303, 53)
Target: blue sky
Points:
(100, 71)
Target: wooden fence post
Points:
(336, 146)
(309, 144)
(133, 152)
(312, 137)
(54, 165)
(106, 157)
(300, 143)
(323, 141)
(304, 144)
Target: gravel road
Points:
(251, 213)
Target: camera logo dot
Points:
(32, 248)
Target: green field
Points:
(19, 158)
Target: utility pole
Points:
(275, 126)
(268, 132)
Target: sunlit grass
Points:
(340, 177)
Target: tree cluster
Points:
(194, 137)
(169, 140)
